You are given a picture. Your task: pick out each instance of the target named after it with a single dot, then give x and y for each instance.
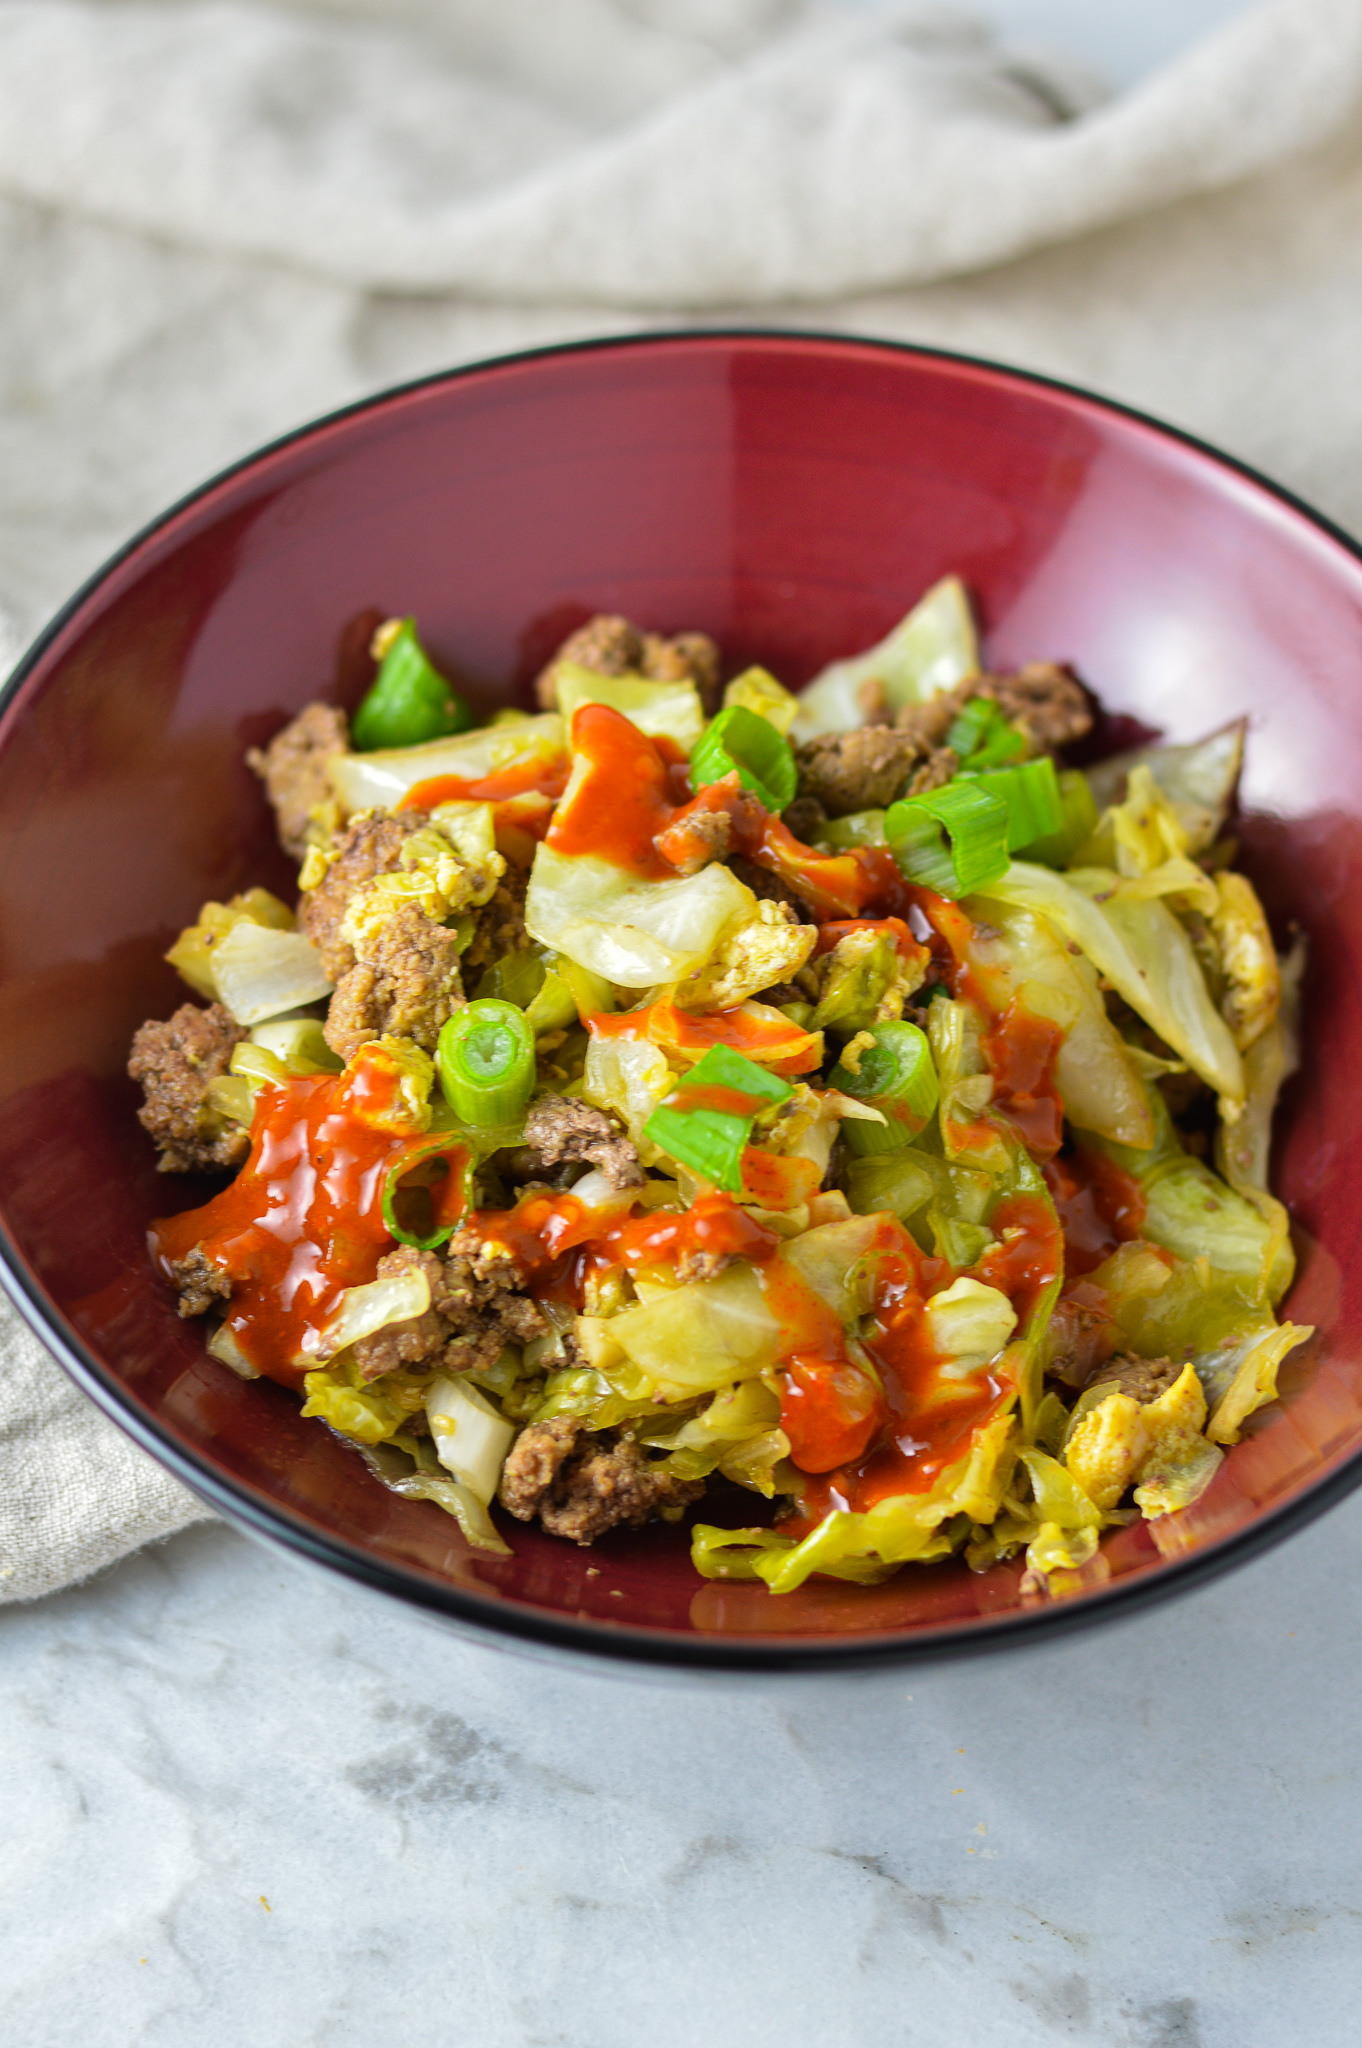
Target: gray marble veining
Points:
(246, 1803)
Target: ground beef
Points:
(499, 927)
(930, 721)
(703, 837)
(580, 1485)
(613, 647)
(370, 845)
(533, 1463)
(867, 769)
(174, 1062)
(477, 1307)
(1142, 1378)
(692, 655)
(781, 992)
(420, 1339)
(1083, 1337)
(482, 1294)
(408, 984)
(1048, 704)
(803, 818)
(702, 1265)
(1051, 706)
(769, 888)
(293, 769)
(562, 1130)
(608, 644)
(200, 1282)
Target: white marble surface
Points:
(1144, 1838)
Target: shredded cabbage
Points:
(969, 1323)
(1097, 1077)
(757, 690)
(223, 1345)
(367, 781)
(629, 1077)
(408, 1467)
(869, 1546)
(299, 1043)
(736, 1433)
(260, 972)
(663, 710)
(1198, 780)
(1142, 950)
(954, 1028)
(368, 1412)
(1242, 1147)
(637, 934)
(396, 1298)
(866, 979)
(471, 1439)
(689, 1340)
(933, 648)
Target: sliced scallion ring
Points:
(1035, 807)
(897, 1076)
(741, 740)
(951, 840)
(485, 1060)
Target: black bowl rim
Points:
(489, 1618)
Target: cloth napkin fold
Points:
(217, 220)
(847, 151)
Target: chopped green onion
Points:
(952, 840)
(568, 995)
(554, 1008)
(485, 1060)
(1058, 848)
(982, 737)
(706, 1122)
(895, 1075)
(592, 993)
(1031, 792)
(740, 739)
(862, 828)
(516, 978)
(447, 1205)
(408, 701)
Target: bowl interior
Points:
(791, 496)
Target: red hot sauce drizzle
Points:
(303, 1220)
(522, 796)
(629, 803)
(1099, 1205)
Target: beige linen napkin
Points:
(217, 220)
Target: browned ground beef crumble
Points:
(613, 647)
(293, 770)
(580, 1485)
(564, 1131)
(174, 1062)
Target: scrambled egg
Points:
(446, 868)
(754, 954)
(1247, 959)
(1158, 1444)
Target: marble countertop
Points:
(245, 1802)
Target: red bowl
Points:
(792, 495)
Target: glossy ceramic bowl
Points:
(792, 495)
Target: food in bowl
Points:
(679, 1082)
